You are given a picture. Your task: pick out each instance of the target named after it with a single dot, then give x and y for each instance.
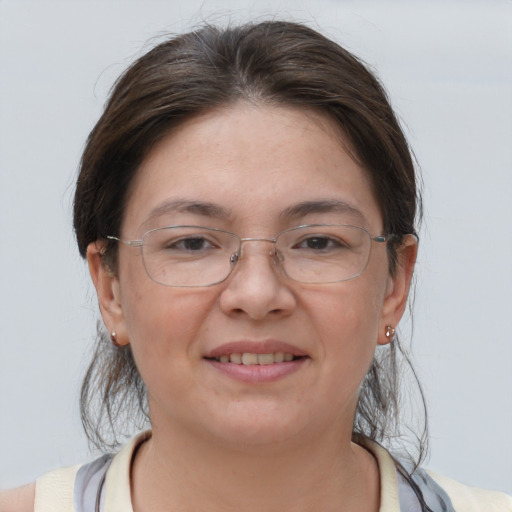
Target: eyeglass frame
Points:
(381, 239)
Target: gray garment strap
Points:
(88, 484)
(433, 495)
(409, 502)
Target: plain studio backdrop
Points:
(448, 68)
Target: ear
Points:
(398, 287)
(108, 291)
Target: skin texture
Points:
(219, 443)
(20, 499)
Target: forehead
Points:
(251, 163)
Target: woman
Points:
(247, 207)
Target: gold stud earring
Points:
(390, 332)
(113, 339)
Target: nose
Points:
(257, 286)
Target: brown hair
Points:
(271, 62)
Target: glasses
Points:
(194, 256)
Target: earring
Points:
(390, 332)
(113, 339)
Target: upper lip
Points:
(255, 347)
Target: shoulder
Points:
(20, 499)
(51, 492)
(440, 492)
(472, 499)
(54, 490)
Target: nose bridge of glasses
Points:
(272, 241)
(238, 255)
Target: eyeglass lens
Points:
(199, 256)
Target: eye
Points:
(189, 244)
(320, 243)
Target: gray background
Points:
(448, 68)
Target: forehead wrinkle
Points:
(321, 206)
(203, 208)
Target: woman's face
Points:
(250, 170)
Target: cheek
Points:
(162, 322)
(347, 320)
(164, 327)
(352, 307)
(154, 312)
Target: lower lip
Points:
(258, 372)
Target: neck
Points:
(177, 471)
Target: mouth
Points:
(257, 361)
(252, 358)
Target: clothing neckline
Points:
(118, 486)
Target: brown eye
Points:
(190, 244)
(319, 243)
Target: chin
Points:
(259, 424)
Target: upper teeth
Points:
(249, 358)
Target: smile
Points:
(257, 362)
(250, 358)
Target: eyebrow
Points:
(212, 210)
(185, 206)
(321, 206)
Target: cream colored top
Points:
(55, 491)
